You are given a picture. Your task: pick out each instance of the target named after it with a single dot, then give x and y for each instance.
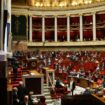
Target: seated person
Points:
(58, 83)
(99, 81)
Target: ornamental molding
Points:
(18, 10)
(79, 43)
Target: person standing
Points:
(16, 100)
(21, 91)
(26, 101)
(72, 85)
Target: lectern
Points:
(34, 82)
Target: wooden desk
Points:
(102, 99)
(81, 100)
(48, 72)
(86, 83)
(34, 82)
(34, 72)
(82, 82)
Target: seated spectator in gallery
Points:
(73, 73)
(99, 82)
(98, 67)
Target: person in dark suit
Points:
(16, 100)
(21, 91)
(26, 101)
(72, 85)
(58, 83)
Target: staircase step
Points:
(48, 97)
(46, 90)
(49, 101)
(46, 87)
(45, 84)
(46, 93)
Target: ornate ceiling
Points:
(55, 3)
(61, 3)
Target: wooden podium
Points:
(49, 75)
(34, 82)
(81, 100)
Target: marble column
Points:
(27, 27)
(9, 44)
(68, 28)
(81, 27)
(1, 25)
(30, 32)
(94, 26)
(7, 17)
(43, 29)
(55, 28)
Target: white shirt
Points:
(26, 103)
(71, 85)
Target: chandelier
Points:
(62, 3)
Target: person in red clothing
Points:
(100, 82)
(42, 100)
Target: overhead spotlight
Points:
(86, 2)
(48, 4)
(61, 4)
(74, 3)
(37, 4)
(90, 1)
(41, 4)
